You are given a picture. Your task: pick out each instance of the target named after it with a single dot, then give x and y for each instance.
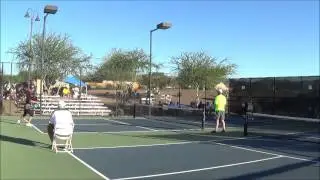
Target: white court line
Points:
(124, 123)
(137, 146)
(202, 169)
(133, 131)
(313, 137)
(37, 129)
(83, 124)
(119, 122)
(88, 166)
(146, 128)
(263, 152)
(302, 133)
(154, 145)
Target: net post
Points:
(134, 105)
(245, 127)
(204, 108)
(203, 119)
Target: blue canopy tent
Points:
(75, 81)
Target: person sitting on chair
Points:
(61, 118)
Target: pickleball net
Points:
(283, 127)
(264, 125)
(185, 117)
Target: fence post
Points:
(10, 83)
(274, 95)
(204, 108)
(80, 99)
(2, 97)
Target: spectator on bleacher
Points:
(76, 92)
(66, 92)
(59, 118)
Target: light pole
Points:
(163, 25)
(31, 14)
(48, 9)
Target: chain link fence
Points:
(288, 96)
(14, 76)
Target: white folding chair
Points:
(63, 134)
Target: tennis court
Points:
(150, 148)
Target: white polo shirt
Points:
(62, 119)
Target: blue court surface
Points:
(227, 159)
(206, 157)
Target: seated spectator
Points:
(60, 118)
(66, 92)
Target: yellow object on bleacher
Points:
(66, 91)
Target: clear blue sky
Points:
(264, 38)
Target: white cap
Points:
(61, 104)
(220, 91)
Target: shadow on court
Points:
(278, 171)
(22, 141)
(277, 145)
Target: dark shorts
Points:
(220, 115)
(27, 111)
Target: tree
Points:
(158, 79)
(121, 65)
(198, 69)
(61, 57)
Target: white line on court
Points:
(119, 122)
(37, 129)
(154, 145)
(263, 152)
(197, 170)
(88, 166)
(313, 137)
(124, 123)
(134, 131)
(146, 128)
(99, 124)
(136, 146)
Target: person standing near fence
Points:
(220, 103)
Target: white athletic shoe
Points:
(18, 122)
(29, 124)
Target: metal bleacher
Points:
(86, 105)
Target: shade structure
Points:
(75, 81)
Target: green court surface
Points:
(25, 152)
